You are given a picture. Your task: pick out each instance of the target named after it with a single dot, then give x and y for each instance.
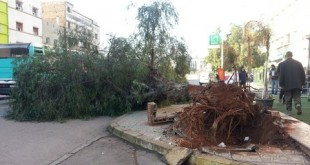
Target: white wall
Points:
(291, 20)
(16, 36)
(28, 20)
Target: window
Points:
(287, 39)
(68, 25)
(69, 9)
(34, 11)
(47, 40)
(19, 26)
(55, 42)
(96, 36)
(35, 31)
(19, 5)
(81, 44)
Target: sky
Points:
(197, 18)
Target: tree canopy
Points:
(241, 48)
(74, 80)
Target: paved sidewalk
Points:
(133, 127)
(42, 143)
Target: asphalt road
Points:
(75, 142)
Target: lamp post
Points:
(222, 48)
(308, 68)
(222, 52)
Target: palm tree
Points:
(263, 38)
(256, 33)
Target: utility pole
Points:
(307, 85)
(308, 70)
(222, 52)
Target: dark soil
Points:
(225, 113)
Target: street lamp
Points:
(222, 52)
(308, 69)
(222, 49)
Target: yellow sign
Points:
(4, 34)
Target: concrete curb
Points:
(162, 148)
(299, 132)
(137, 138)
(199, 158)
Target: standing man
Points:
(273, 76)
(292, 77)
(243, 76)
(281, 94)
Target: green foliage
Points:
(78, 38)
(76, 85)
(181, 58)
(241, 48)
(155, 20)
(77, 82)
(156, 47)
(214, 58)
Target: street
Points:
(77, 142)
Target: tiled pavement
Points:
(133, 127)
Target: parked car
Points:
(204, 78)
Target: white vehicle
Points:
(204, 78)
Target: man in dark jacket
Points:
(292, 77)
(243, 76)
(281, 95)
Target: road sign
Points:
(215, 39)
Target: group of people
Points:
(290, 76)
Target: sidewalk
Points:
(133, 127)
(46, 143)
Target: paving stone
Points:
(178, 155)
(246, 156)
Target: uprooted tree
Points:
(70, 83)
(225, 113)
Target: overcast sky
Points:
(197, 18)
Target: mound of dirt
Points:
(225, 113)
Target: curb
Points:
(197, 158)
(299, 131)
(137, 138)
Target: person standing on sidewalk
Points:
(243, 76)
(292, 77)
(273, 76)
(281, 94)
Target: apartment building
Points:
(290, 28)
(60, 15)
(197, 64)
(21, 21)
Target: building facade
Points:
(60, 15)
(290, 30)
(24, 21)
